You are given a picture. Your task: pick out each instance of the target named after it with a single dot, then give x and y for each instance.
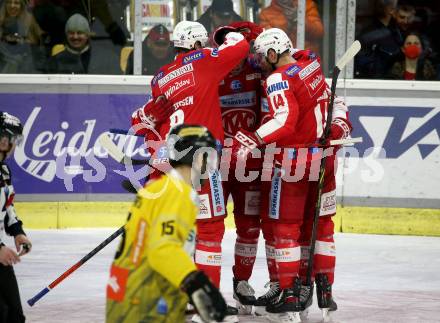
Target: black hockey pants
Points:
(10, 304)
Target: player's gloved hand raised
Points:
(339, 129)
(220, 34)
(243, 143)
(305, 54)
(155, 112)
(248, 29)
(205, 297)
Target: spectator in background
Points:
(283, 14)
(157, 51)
(404, 17)
(413, 66)
(18, 33)
(381, 43)
(78, 56)
(220, 13)
(52, 15)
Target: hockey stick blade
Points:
(114, 152)
(349, 55)
(124, 132)
(346, 141)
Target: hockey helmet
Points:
(273, 38)
(184, 141)
(11, 127)
(187, 33)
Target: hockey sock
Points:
(266, 227)
(208, 255)
(287, 252)
(325, 252)
(248, 230)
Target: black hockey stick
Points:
(69, 271)
(348, 56)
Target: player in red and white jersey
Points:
(298, 97)
(190, 85)
(240, 94)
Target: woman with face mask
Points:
(413, 66)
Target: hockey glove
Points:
(155, 112)
(205, 297)
(248, 29)
(244, 142)
(339, 129)
(220, 34)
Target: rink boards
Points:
(396, 166)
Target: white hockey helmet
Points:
(187, 33)
(273, 38)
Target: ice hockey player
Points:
(10, 305)
(153, 275)
(190, 83)
(240, 94)
(298, 97)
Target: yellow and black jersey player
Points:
(153, 275)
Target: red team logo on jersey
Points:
(236, 119)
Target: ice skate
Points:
(325, 298)
(287, 307)
(306, 299)
(264, 300)
(244, 294)
(231, 316)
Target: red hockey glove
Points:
(305, 54)
(220, 34)
(244, 142)
(248, 29)
(155, 112)
(339, 129)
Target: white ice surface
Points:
(378, 278)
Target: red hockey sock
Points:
(208, 256)
(267, 229)
(287, 252)
(248, 230)
(325, 252)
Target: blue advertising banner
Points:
(52, 122)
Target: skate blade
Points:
(304, 314)
(228, 319)
(260, 310)
(244, 309)
(327, 316)
(287, 317)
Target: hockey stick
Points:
(69, 271)
(124, 132)
(348, 56)
(117, 154)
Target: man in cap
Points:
(157, 51)
(78, 56)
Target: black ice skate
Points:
(244, 294)
(287, 307)
(306, 299)
(231, 316)
(272, 294)
(324, 296)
